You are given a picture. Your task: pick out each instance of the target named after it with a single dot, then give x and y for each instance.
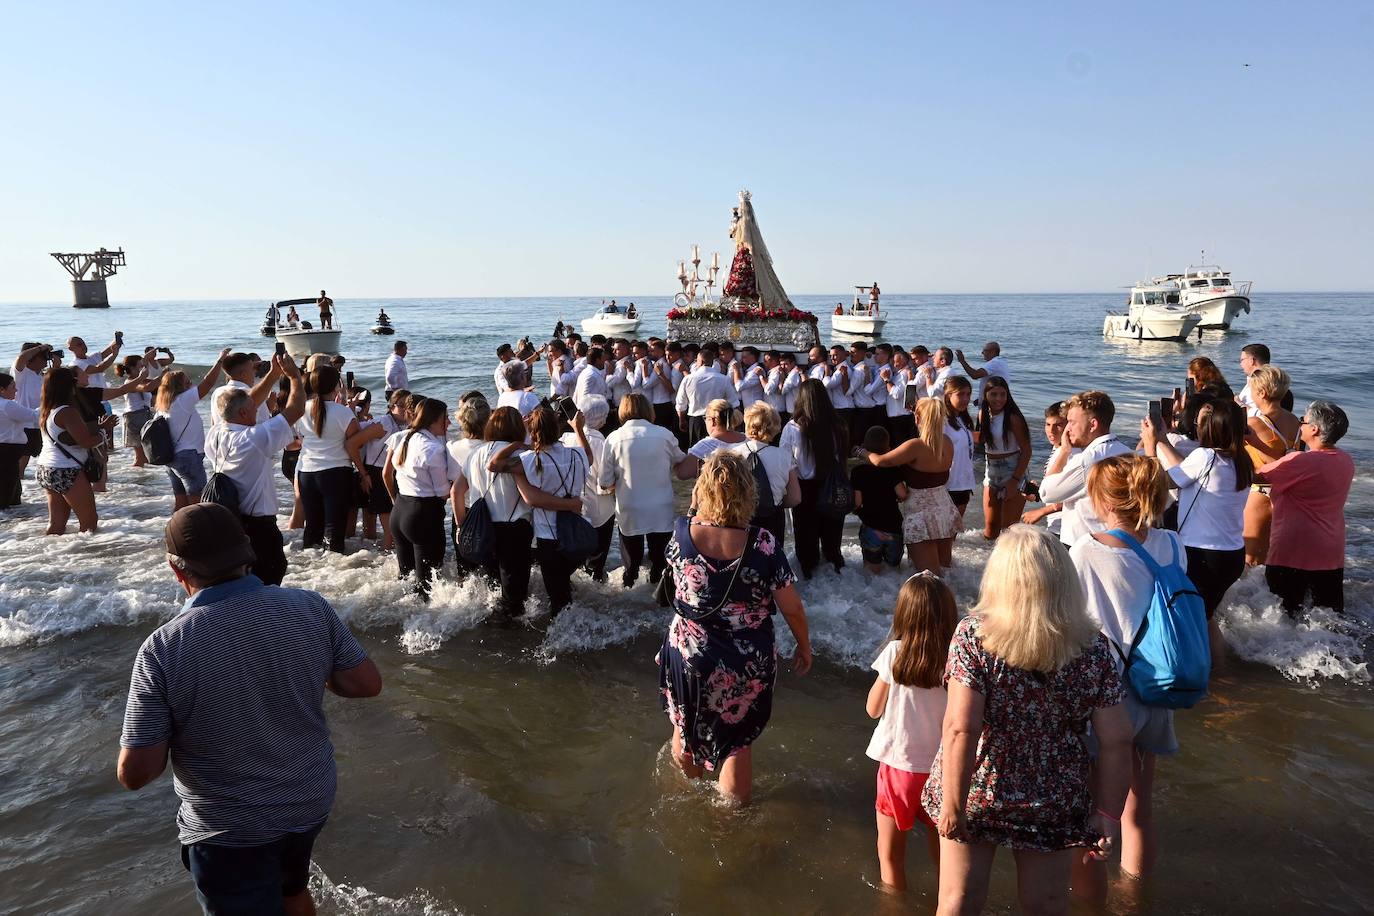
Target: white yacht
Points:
(304, 339)
(862, 320)
(1210, 292)
(617, 323)
(1154, 312)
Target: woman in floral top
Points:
(1028, 672)
(719, 659)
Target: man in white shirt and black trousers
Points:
(245, 450)
(704, 385)
(397, 377)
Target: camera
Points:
(57, 354)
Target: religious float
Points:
(753, 309)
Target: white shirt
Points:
(188, 429)
(646, 380)
(263, 414)
(598, 503)
(876, 389)
(374, 452)
(559, 471)
(935, 387)
(524, 401)
(1070, 487)
(908, 734)
(245, 454)
(619, 383)
(95, 379)
(501, 493)
(704, 447)
(14, 419)
(562, 376)
(1118, 585)
(776, 462)
(28, 387)
(396, 375)
(839, 385)
(1211, 511)
(1182, 444)
(590, 384)
(961, 476)
(896, 392)
(460, 449)
(1246, 399)
(995, 366)
(780, 389)
(54, 457)
(861, 379)
(702, 387)
(502, 386)
(322, 452)
(639, 462)
(750, 384)
(427, 469)
(798, 450)
(137, 400)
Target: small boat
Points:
(1154, 313)
(383, 325)
(611, 323)
(270, 322)
(304, 339)
(862, 320)
(1210, 292)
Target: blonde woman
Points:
(718, 662)
(930, 519)
(1273, 432)
(721, 420)
(176, 399)
(1028, 672)
(762, 425)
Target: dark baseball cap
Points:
(208, 539)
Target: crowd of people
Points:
(1216, 479)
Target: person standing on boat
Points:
(293, 318)
(631, 312)
(873, 294)
(994, 365)
(397, 376)
(326, 311)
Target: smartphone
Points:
(1178, 394)
(1166, 412)
(59, 354)
(1156, 415)
(281, 348)
(119, 336)
(911, 397)
(567, 407)
(1192, 387)
(348, 377)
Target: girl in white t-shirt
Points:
(908, 699)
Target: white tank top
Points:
(51, 456)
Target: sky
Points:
(267, 150)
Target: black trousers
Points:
(512, 566)
(12, 457)
(1213, 572)
(815, 536)
(556, 572)
(632, 552)
(846, 416)
(901, 429)
(417, 527)
(864, 417)
(666, 416)
(1292, 586)
(265, 536)
(596, 565)
(696, 431)
(327, 497)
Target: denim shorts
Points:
(875, 550)
(187, 473)
(250, 879)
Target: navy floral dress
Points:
(1030, 779)
(716, 673)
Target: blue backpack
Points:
(1170, 660)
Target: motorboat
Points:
(270, 322)
(303, 339)
(611, 321)
(383, 325)
(1210, 292)
(1154, 312)
(862, 320)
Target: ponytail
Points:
(931, 416)
(324, 380)
(430, 411)
(1132, 487)
(1221, 427)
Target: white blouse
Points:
(639, 462)
(324, 451)
(426, 469)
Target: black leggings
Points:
(596, 565)
(265, 536)
(512, 564)
(815, 535)
(556, 572)
(1291, 585)
(11, 459)
(417, 526)
(1213, 572)
(632, 553)
(327, 497)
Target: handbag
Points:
(577, 540)
(93, 467)
(34, 440)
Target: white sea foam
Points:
(356, 899)
(53, 587)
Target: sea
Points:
(523, 769)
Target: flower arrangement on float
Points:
(741, 316)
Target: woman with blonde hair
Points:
(176, 399)
(762, 425)
(1028, 672)
(718, 662)
(721, 420)
(1272, 433)
(930, 519)
(1128, 494)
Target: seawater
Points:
(521, 770)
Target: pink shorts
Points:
(899, 796)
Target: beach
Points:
(521, 769)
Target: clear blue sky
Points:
(445, 149)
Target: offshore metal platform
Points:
(90, 293)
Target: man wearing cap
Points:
(232, 689)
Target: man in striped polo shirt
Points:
(232, 688)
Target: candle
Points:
(715, 260)
(696, 253)
(681, 270)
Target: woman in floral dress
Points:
(719, 658)
(1028, 672)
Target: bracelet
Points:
(1108, 816)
